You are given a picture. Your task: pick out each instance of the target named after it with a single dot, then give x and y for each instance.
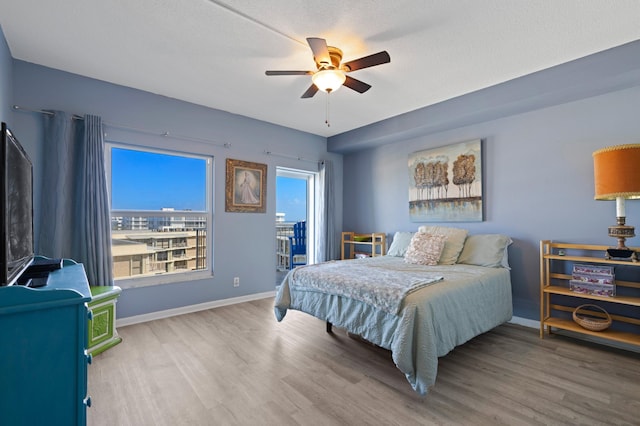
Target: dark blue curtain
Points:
(75, 217)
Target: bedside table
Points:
(371, 245)
(102, 321)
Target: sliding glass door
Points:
(294, 203)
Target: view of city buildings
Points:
(160, 244)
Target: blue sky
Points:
(150, 181)
(291, 198)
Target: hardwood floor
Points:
(236, 365)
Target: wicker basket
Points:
(590, 322)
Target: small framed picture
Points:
(245, 187)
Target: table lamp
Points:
(617, 177)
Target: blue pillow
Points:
(400, 243)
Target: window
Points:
(161, 216)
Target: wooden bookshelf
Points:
(557, 283)
(370, 245)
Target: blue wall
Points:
(6, 92)
(538, 167)
(244, 243)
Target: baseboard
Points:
(136, 319)
(525, 322)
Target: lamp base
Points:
(621, 232)
(616, 253)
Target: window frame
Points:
(167, 278)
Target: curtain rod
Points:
(135, 129)
(19, 108)
(292, 157)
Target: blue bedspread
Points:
(433, 320)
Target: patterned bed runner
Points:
(380, 285)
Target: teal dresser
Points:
(102, 324)
(43, 341)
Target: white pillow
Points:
(400, 243)
(505, 257)
(488, 250)
(425, 249)
(454, 244)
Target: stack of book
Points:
(591, 279)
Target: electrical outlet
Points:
(236, 281)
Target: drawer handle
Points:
(89, 358)
(87, 401)
(90, 315)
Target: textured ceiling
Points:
(214, 53)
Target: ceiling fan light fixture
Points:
(329, 80)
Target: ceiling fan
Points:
(330, 74)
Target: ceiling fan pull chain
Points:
(326, 120)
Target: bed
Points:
(455, 302)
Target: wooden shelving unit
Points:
(557, 283)
(374, 244)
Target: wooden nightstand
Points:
(369, 245)
(102, 320)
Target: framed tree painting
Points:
(245, 187)
(445, 184)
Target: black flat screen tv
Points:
(16, 209)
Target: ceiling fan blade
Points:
(357, 85)
(312, 90)
(288, 72)
(320, 51)
(367, 61)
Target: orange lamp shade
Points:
(617, 172)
